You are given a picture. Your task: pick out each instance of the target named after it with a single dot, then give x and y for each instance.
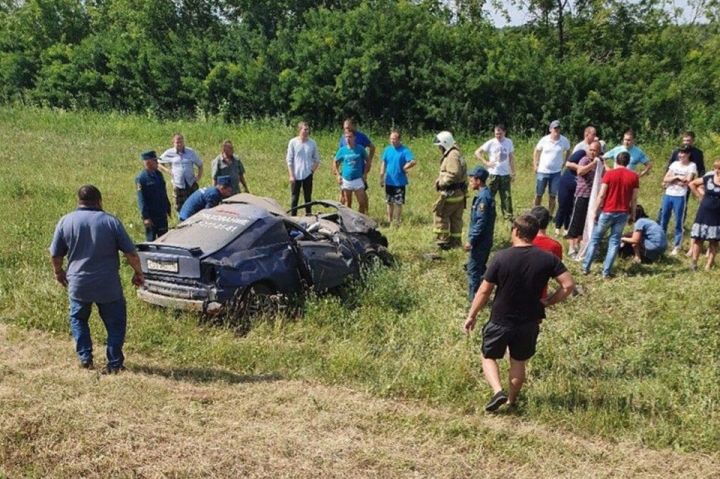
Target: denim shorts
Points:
(549, 180)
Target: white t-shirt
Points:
(677, 168)
(552, 154)
(498, 155)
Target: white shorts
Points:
(353, 185)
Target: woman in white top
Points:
(676, 180)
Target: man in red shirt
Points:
(615, 202)
(542, 240)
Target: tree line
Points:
(425, 64)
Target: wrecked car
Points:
(240, 257)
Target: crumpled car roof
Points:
(267, 203)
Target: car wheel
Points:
(258, 301)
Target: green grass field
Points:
(636, 358)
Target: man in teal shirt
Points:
(637, 156)
(350, 167)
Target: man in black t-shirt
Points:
(520, 274)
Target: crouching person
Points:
(647, 242)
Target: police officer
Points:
(207, 197)
(152, 197)
(482, 224)
(452, 190)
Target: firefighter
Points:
(480, 230)
(451, 186)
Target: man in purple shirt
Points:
(91, 239)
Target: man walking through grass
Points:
(91, 239)
(520, 274)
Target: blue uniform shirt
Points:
(482, 219)
(395, 160)
(199, 200)
(152, 197)
(91, 239)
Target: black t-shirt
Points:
(520, 275)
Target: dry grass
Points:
(154, 421)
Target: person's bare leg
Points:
(347, 195)
(538, 201)
(390, 211)
(551, 205)
(362, 201)
(712, 251)
(517, 378)
(492, 374)
(397, 215)
(696, 246)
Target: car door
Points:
(323, 257)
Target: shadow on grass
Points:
(202, 375)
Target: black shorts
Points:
(577, 220)
(520, 338)
(395, 195)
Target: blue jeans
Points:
(616, 223)
(673, 205)
(113, 315)
(549, 180)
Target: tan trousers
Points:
(448, 220)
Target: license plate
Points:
(166, 266)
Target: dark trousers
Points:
(566, 201)
(182, 194)
(477, 265)
(159, 227)
(306, 186)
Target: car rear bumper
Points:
(201, 306)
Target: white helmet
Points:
(444, 139)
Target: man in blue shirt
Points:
(397, 159)
(91, 239)
(350, 167)
(207, 197)
(637, 156)
(480, 234)
(152, 197)
(362, 140)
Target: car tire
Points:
(258, 301)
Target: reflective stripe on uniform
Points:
(456, 235)
(454, 199)
(440, 231)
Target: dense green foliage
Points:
(418, 64)
(635, 358)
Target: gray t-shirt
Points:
(91, 239)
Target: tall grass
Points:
(636, 357)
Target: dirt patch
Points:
(156, 421)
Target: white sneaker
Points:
(675, 251)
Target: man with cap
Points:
(451, 186)
(480, 234)
(152, 197)
(549, 156)
(207, 197)
(182, 161)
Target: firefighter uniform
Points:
(452, 191)
(480, 234)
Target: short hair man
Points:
(480, 230)
(520, 274)
(615, 204)
(91, 239)
(207, 197)
(302, 160)
(501, 166)
(637, 156)
(183, 161)
(350, 169)
(228, 164)
(152, 197)
(362, 140)
(397, 160)
(549, 156)
(586, 170)
(696, 154)
(451, 186)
